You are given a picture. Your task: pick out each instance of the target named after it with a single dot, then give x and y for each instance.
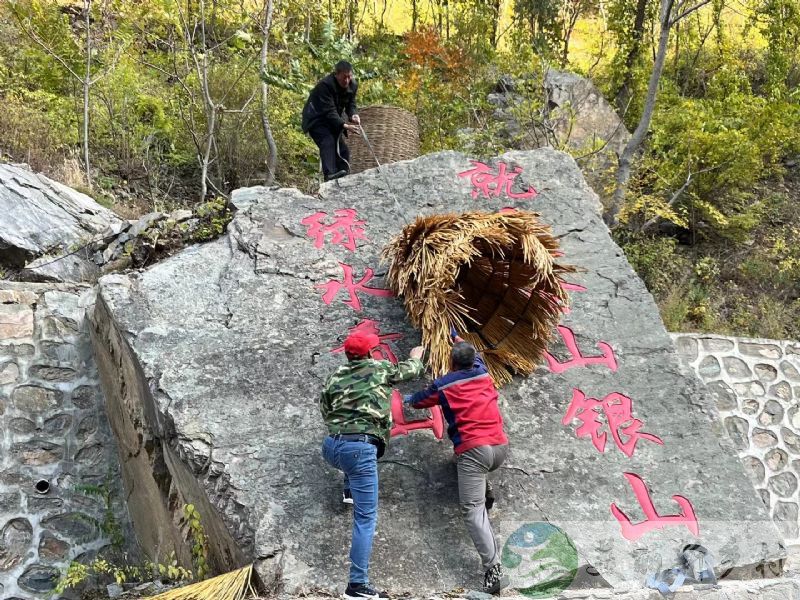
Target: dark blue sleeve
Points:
(425, 398)
(479, 364)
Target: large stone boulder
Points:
(39, 216)
(212, 362)
(584, 119)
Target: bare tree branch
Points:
(173, 76)
(110, 67)
(611, 137)
(243, 72)
(244, 106)
(678, 193)
(221, 43)
(31, 33)
(688, 11)
(216, 189)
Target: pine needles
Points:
(229, 586)
(491, 275)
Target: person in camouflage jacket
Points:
(356, 406)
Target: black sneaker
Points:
(336, 175)
(489, 495)
(357, 591)
(495, 580)
(347, 497)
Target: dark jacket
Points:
(469, 402)
(328, 102)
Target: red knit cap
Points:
(360, 343)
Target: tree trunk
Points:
(625, 161)
(272, 149)
(210, 107)
(383, 14)
(495, 22)
(87, 83)
(569, 25)
(624, 93)
(352, 11)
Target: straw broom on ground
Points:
(235, 585)
(492, 276)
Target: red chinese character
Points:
(382, 351)
(332, 287)
(570, 287)
(619, 414)
(573, 287)
(345, 229)
(401, 427)
(579, 360)
(485, 182)
(653, 520)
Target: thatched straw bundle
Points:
(490, 275)
(235, 585)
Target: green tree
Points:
(272, 149)
(627, 24)
(210, 58)
(80, 40)
(779, 22)
(540, 19)
(672, 12)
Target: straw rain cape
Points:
(492, 276)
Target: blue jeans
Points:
(359, 461)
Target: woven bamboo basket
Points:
(393, 133)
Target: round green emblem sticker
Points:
(541, 560)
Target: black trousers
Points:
(326, 141)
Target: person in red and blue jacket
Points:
(468, 399)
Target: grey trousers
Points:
(473, 466)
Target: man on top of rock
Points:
(356, 407)
(469, 402)
(331, 100)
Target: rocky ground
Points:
(785, 587)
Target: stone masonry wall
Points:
(53, 438)
(758, 388)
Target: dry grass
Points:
(492, 276)
(70, 173)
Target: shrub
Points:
(37, 128)
(656, 261)
(727, 145)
